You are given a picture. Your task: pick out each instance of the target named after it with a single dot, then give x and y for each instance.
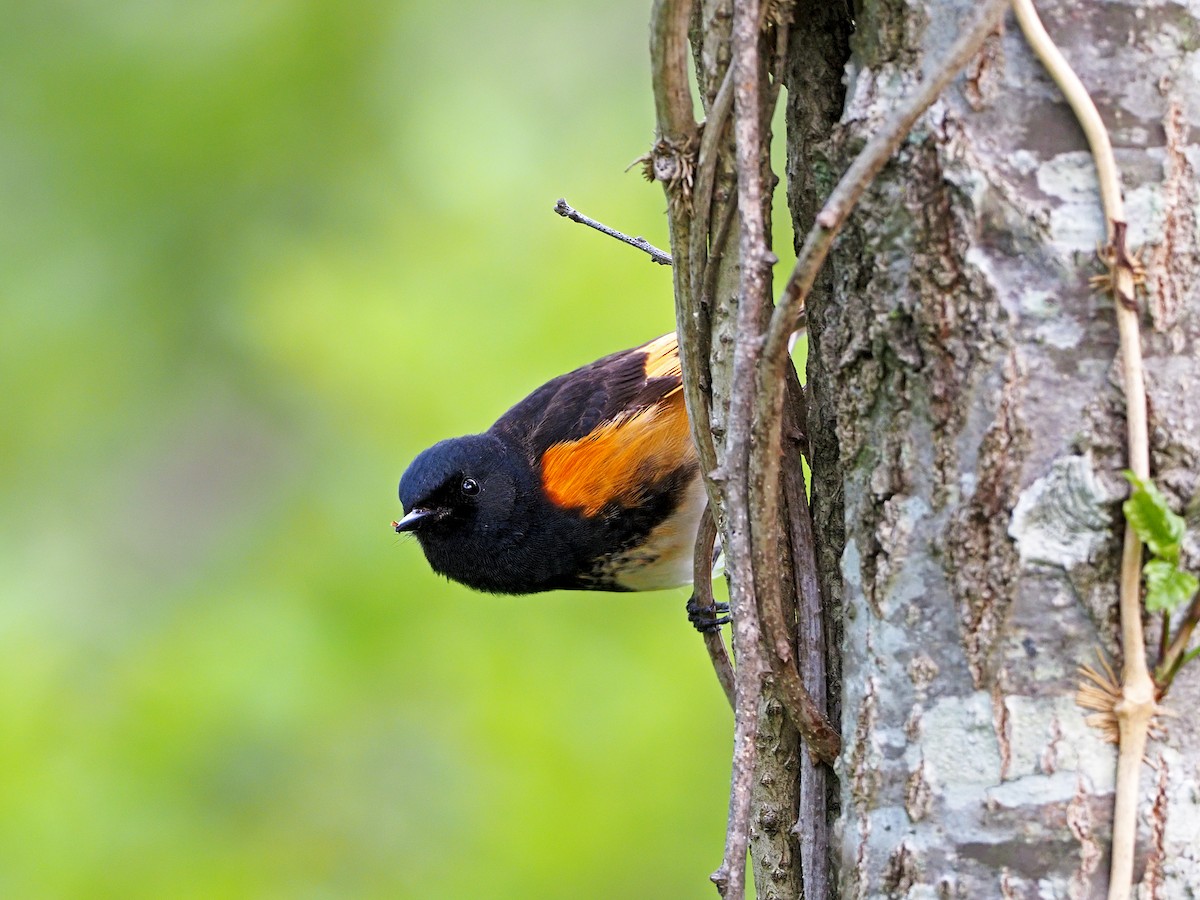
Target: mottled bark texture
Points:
(966, 417)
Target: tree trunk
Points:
(968, 435)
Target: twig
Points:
(702, 563)
(700, 230)
(783, 28)
(706, 165)
(1137, 706)
(756, 260)
(567, 212)
(675, 123)
(810, 625)
(719, 240)
(703, 254)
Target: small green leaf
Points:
(1152, 520)
(1167, 586)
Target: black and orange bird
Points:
(589, 483)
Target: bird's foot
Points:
(705, 618)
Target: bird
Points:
(591, 483)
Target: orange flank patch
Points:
(618, 461)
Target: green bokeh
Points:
(253, 258)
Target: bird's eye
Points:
(470, 487)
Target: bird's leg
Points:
(704, 618)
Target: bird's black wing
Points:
(576, 405)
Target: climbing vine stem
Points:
(1135, 704)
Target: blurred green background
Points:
(253, 258)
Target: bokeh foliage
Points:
(253, 258)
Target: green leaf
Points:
(1167, 586)
(1152, 520)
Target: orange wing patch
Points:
(619, 460)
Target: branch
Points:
(669, 55)
(710, 146)
(677, 136)
(568, 212)
(702, 223)
(766, 523)
(756, 260)
(811, 822)
(676, 127)
(702, 562)
(1137, 705)
(698, 323)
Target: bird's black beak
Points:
(412, 520)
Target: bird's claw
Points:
(705, 618)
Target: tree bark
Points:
(967, 429)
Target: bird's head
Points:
(457, 489)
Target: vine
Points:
(1127, 708)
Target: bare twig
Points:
(565, 210)
(783, 27)
(805, 714)
(809, 719)
(671, 160)
(706, 165)
(1137, 706)
(702, 593)
(720, 239)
